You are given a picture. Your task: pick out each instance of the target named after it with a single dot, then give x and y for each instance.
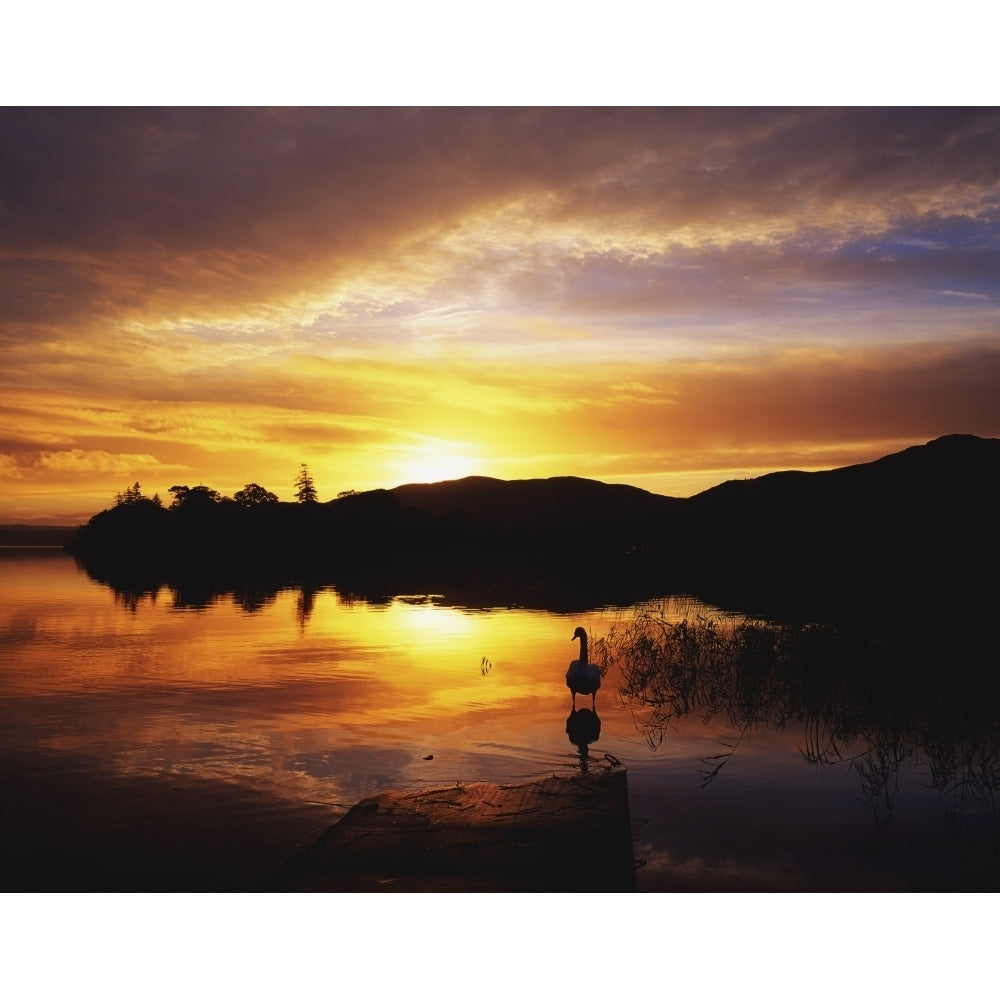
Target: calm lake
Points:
(155, 742)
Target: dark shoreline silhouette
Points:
(863, 544)
(33, 535)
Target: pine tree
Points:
(305, 489)
(131, 496)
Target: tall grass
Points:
(855, 699)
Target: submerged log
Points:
(558, 834)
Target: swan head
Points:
(580, 633)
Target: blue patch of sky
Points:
(961, 258)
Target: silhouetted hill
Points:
(947, 467)
(519, 503)
(919, 524)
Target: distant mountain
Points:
(939, 491)
(917, 525)
(564, 500)
(946, 467)
(956, 469)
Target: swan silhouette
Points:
(583, 677)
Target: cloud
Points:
(963, 295)
(80, 462)
(160, 212)
(693, 425)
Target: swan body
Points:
(583, 677)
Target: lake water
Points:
(150, 743)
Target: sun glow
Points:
(434, 463)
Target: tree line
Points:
(196, 497)
(366, 543)
(201, 533)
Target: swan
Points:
(583, 677)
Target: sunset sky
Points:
(663, 297)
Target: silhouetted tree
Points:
(180, 493)
(305, 489)
(193, 497)
(133, 495)
(253, 495)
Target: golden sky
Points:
(663, 297)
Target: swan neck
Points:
(583, 649)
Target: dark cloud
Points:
(108, 209)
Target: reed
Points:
(857, 700)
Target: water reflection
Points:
(857, 702)
(583, 727)
(746, 770)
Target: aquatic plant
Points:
(857, 699)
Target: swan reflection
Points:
(583, 727)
